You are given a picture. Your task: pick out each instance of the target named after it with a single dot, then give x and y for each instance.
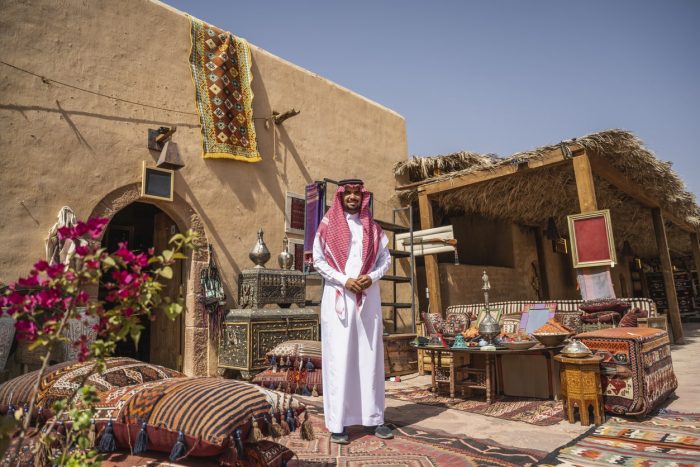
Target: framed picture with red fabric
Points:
(592, 241)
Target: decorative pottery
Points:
(459, 342)
(76, 328)
(489, 327)
(7, 334)
(285, 258)
(259, 254)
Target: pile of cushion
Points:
(295, 368)
(144, 407)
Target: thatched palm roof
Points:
(530, 198)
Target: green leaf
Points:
(173, 310)
(167, 272)
(109, 261)
(167, 254)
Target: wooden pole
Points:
(541, 266)
(696, 253)
(432, 271)
(584, 183)
(674, 312)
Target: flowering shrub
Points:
(43, 302)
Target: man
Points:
(350, 252)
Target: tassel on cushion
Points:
(314, 392)
(309, 365)
(305, 391)
(268, 425)
(275, 427)
(230, 456)
(11, 410)
(254, 435)
(284, 425)
(107, 442)
(180, 448)
(141, 444)
(290, 420)
(239, 444)
(307, 429)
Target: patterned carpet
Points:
(533, 411)
(669, 439)
(409, 448)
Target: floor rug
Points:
(410, 448)
(665, 440)
(533, 411)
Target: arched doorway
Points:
(143, 226)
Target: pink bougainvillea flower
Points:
(26, 330)
(82, 250)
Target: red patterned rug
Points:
(533, 411)
(668, 439)
(409, 448)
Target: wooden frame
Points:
(592, 242)
(289, 200)
(293, 242)
(144, 178)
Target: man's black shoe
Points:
(340, 438)
(383, 432)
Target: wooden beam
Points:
(667, 270)
(553, 157)
(605, 170)
(584, 184)
(432, 271)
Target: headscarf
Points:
(334, 234)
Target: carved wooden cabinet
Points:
(249, 333)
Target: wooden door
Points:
(166, 335)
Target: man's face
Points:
(352, 199)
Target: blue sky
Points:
(498, 76)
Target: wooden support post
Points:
(584, 183)
(674, 313)
(432, 271)
(695, 246)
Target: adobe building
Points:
(81, 85)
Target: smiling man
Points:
(350, 252)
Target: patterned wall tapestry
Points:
(221, 70)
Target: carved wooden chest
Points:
(262, 286)
(249, 333)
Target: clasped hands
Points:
(359, 284)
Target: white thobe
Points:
(352, 344)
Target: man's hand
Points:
(353, 285)
(365, 281)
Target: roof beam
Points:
(552, 157)
(612, 175)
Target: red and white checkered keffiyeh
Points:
(334, 235)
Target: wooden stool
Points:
(580, 386)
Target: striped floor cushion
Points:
(205, 412)
(292, 353)
(60, 381)
(306, 383)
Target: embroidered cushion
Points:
(604, 304)
(293, 351)
(570, 319)
(206, 411)
(630, 320)
(600, 317)
(434, 324)
(455, 324)
(61, 380)
(292, 381)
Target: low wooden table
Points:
(580, 386)
(482, 378)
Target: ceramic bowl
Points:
(519, 345)
(551, 340)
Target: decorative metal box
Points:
(260, 286)
(250, 333)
